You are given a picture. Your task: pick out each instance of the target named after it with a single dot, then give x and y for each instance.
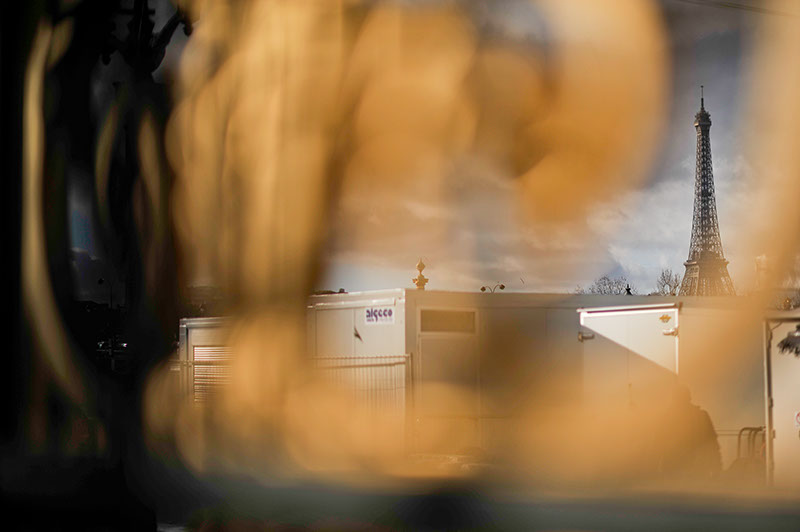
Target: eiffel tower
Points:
(706, 269)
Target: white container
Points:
(395, 347)
(782, 383)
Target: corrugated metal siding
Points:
(376, 381)
(379, 382)
(211, 370)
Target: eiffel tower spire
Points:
(706, 268)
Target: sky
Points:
(475, 234)
(636, 234)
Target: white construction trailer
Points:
(630, 348)
(389, 346)
(782, 384)
(709, 344)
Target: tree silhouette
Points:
(606, 285)
(667, 283)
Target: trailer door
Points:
(630, 354)
(446, 382)
(204, 357)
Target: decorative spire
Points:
(702, 118)
(420, 280)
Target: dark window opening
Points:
(462, 321)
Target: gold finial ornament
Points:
(420, 280)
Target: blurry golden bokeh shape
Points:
(284, 109)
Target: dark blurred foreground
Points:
(82, 496)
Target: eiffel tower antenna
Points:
(706, 268)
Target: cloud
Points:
(470, 232)
(472, 235)
(689, 22)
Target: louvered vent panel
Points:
(211, 371)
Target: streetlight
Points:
(492, 289)
(100, 281)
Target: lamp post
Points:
(100, 281)
(492, 289)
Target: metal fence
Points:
(377, 382)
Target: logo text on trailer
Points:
(378, 315)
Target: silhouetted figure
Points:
(688, 444)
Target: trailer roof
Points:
(783, 315)
(520, 299)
